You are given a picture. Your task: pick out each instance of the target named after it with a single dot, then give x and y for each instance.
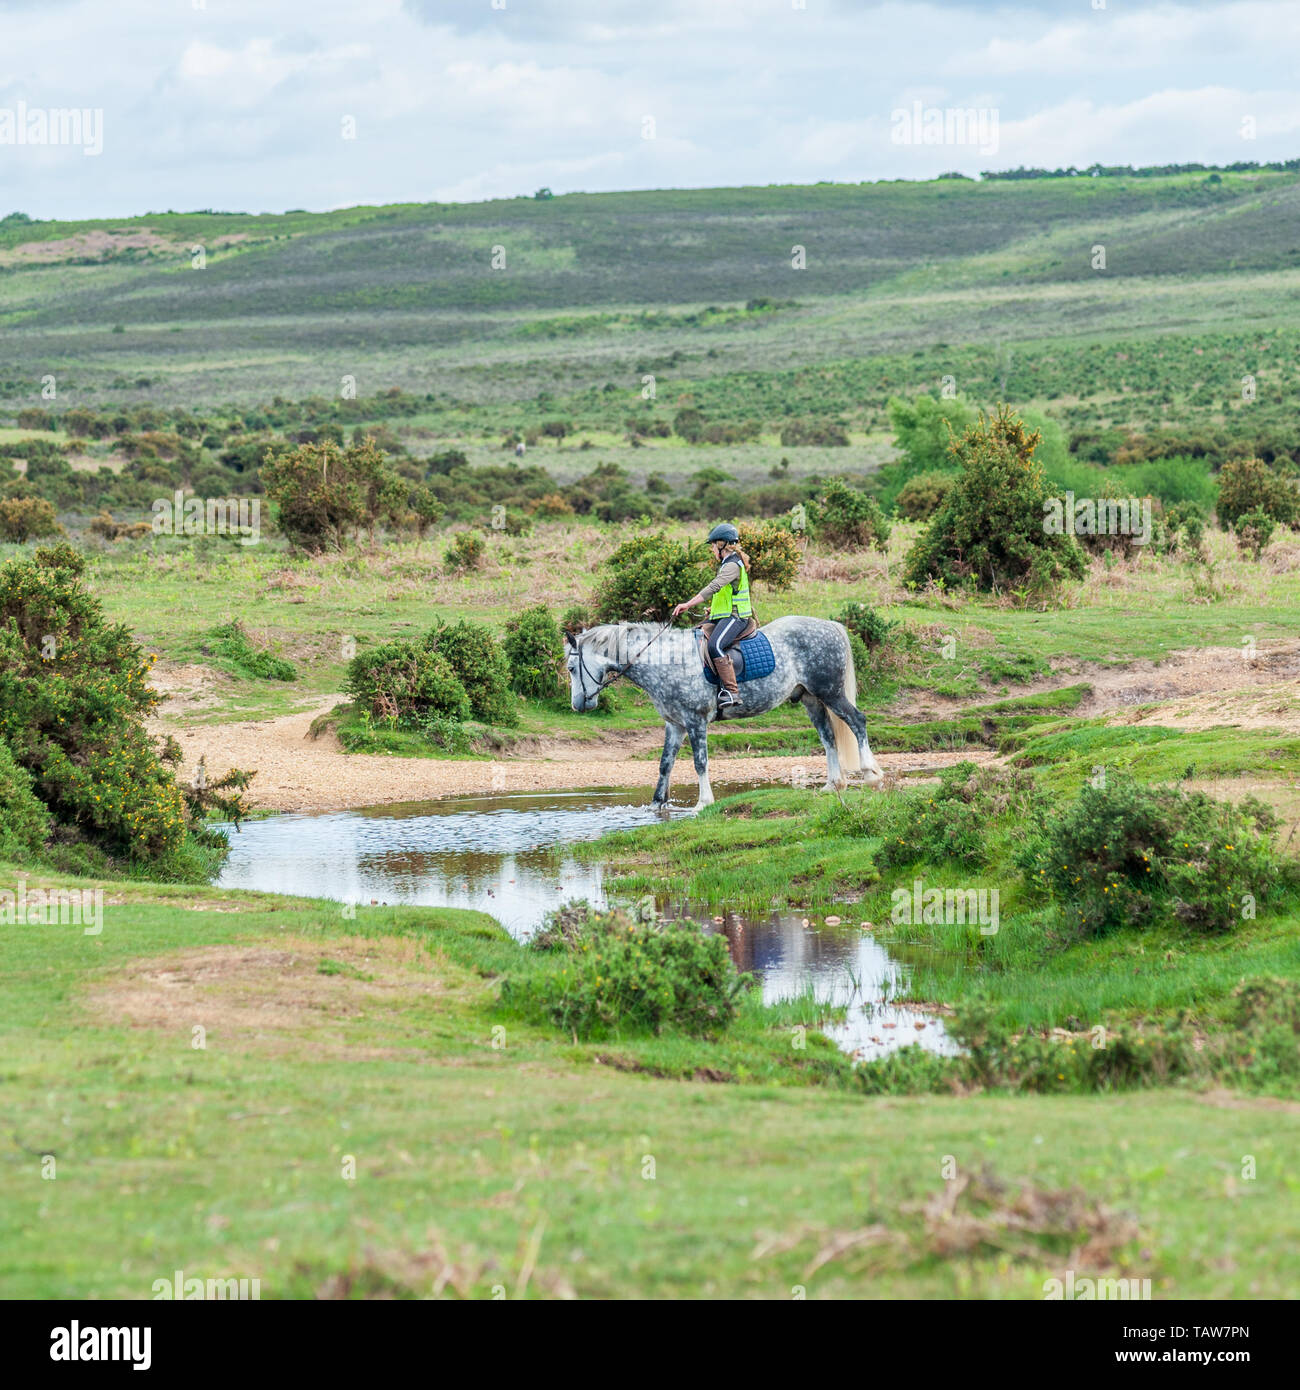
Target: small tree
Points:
(992, 529)
(426, 510)
(326, 493)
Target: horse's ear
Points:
(568, 640)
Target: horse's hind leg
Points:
(856, 720)
(821, 721)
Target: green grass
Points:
(230, 1159)
(1070, 755)
(774, 848)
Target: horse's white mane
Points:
(614, 639)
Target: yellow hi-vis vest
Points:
(733, 598)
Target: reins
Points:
(621, 670)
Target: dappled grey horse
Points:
(813, 664)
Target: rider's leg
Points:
(724, 633)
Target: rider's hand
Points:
(680, 609)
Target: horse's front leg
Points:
(698, 732)
(673, 736)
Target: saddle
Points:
(753, 658)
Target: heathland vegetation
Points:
(346, 464)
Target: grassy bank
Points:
(539, 1167)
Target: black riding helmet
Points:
(724, 532)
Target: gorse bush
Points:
(863, 621)
(473, 655)
(848, 519)
(1254, 530)
(406, 680)
(618, 975)
(1129, 855)
(1251, 485)
(465, 552)
(990, 529)
(881, 647)
(24, 821)
(646, 576)
(27, 518)
(74, 695)
(774, 554)
(534, 653)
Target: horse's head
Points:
(589, 669)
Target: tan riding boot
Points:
(729, 697)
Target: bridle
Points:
(613, 673)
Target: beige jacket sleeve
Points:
(728, 574)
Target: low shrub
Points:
(646, 576)
(534, 653)
(478, 663)
(847, 519)
(617, 974)
(1127, 855)
(27, 518)
(465, 552)
(403, 680)
(920, 497)
(1254, 531)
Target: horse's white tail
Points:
(846, 741)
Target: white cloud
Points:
(240, 104)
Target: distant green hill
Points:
(904, 283)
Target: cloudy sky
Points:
(249, 104)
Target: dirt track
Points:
(298, 773)
(1190, 689)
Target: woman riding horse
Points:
(731, 612)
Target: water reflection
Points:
(493, 854)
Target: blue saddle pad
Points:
(753, 659)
